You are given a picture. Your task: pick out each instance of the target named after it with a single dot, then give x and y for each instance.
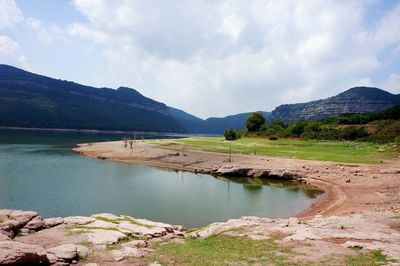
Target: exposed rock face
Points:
(354, 100)
(15, 253)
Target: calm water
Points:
(38, 171)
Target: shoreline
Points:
(344, 186)
(355, 218)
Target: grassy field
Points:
(335, 151)
(240, 250)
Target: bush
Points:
(273, 138)
(352, 133)
(296, 128)
(276, 128)
(231, 134)
(312, 131)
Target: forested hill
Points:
(31, 100)
(354, 100)
(35, 101)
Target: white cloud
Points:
(46, 32)
(222, 57)
(392, 83)
(10, 53)
(9, 13)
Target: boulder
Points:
(66, 252)
(23, 216)
(51, 222)
(36, 224)
(82, 251)
(105, 237)
(14, 220)
(16, 253)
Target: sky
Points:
(209, 57)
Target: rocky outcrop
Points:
(111, 237)
(100, 231)
(354, 100)
(234, 170)
(367, 231)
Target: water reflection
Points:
(46, 176)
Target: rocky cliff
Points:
(354, 100)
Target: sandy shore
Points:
(348, 188)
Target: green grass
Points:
(335, 151)
(240, 250)
(375, 257)
(222, 250)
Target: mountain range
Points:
(35, 101)
(32, 100)
(354, 100)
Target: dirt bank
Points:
(349, 188)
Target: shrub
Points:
(352, 133)
(276, 128)
(312, 131)
(296, 128)
(231, 134)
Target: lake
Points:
(39, 171)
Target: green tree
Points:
(255, 121)
(231, 134)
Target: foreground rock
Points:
(14, 253)
(371, 231)
(110, 239)
(59, 240)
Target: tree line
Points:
(379, 127)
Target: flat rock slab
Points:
(104, 237)
(78, 220)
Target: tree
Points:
(255, 121)
(231, 134)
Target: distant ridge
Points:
(29, 100)
(354, 100)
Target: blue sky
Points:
(209, 58)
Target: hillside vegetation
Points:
(378, 127)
